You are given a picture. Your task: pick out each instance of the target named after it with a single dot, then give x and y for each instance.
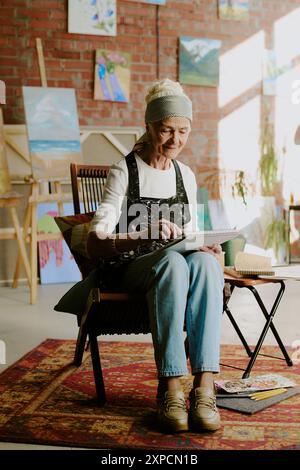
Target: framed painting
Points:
(112, 76)
(199, 61)
(97, 17)
(57, 264)
(53, 131)
(233, 9)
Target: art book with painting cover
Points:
(254, 384)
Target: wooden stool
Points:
(11, 201)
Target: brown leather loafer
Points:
(171, 412)
(203, 415)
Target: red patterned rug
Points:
(46, 400)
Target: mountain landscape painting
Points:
(199, 61)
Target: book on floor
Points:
(254, 384)
(248, 406)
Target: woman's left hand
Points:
(214, 250)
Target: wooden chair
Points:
(122, 313)
(106, 312)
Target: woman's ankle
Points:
(168, 384)
(205, 380)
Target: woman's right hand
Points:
(161, 230)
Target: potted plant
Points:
(268, 164)
(240, 186)
(276, 237)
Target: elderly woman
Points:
(181, 289)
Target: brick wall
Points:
(69, 59)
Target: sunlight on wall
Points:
(241, 68)
(286, 37)
(239, 136)
(287, 119)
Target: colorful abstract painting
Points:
(92, 17)
(199, 61)
(53, 131)
(153, 2)
(234, 9)
(112, 76)
(56, 261)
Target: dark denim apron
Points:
(110, 271)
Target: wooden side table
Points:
(251, 285)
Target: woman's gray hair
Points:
(167, 99)
(164, 99)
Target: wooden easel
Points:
(10, 202)
(9, 199)
(30, 228)
(38, 195)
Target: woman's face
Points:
(168, 137)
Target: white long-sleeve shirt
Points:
(153, 183)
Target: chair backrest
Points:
(88, 182)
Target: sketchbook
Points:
(248, 264)
(195, 240)
(285, 272)
(247, 406)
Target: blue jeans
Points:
(181, 290)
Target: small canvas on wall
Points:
(112, 76)
(153, 2)
(233, 9)
(199, 61)
(53, 131)
(56, 261)
(92, 17)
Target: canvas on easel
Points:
(53, 131)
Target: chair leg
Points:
(80, 344)
(82, 334)
(97, 369)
